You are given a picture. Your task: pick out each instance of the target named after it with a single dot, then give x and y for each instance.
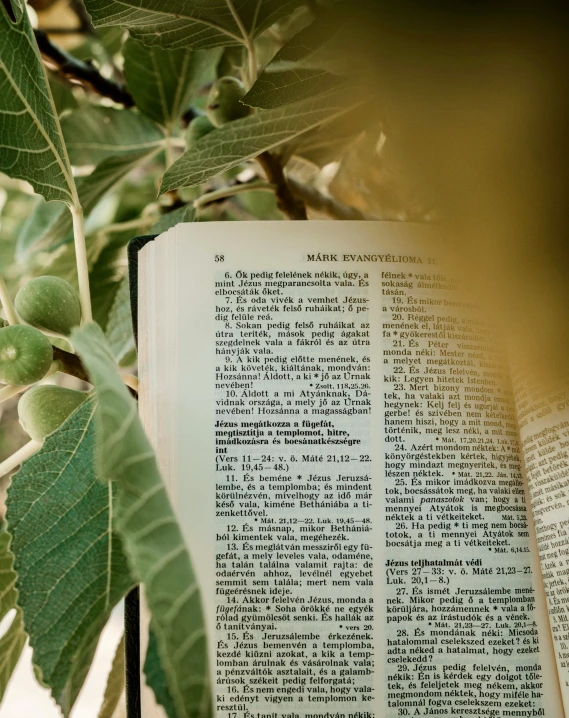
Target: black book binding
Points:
(132, 600)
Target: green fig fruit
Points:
(199, 127)
(49, 303)
(43, 409)
(25, 355)
(223, 102)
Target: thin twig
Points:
(17, 457)
(137, 223)
(7, 392)
(224, 192)
(323, 204)
(290, 205)
(130, 380)
(84, 72)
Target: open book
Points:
(376, 510)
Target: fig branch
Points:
(84, 73)
(292, 206)
(70, 364)
(324, 204)
(225, 192)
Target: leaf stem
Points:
(130, 380)
(252, 59)
(7, 302)
(249, 44)
(82, 264)
(17, 457)
(7, 392)
(149, 219)
(168, 150)
(208, 197)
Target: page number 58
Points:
(219, 258)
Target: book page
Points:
(544, 427)
(349, 479)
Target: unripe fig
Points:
(199, 127)
(25, 355)
(49, 303)
(43, 409)
(223, 101)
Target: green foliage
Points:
(57, 226)
(163, 82)
(43, 409)
(330, 141)
(152, 538)
(49, 303)
(107, 273)
(293, 72)
(94, 133)
(63, 97)
(119, 327)
(61, 261)
(244, 139)
(14, 639)
(285, 105)
(278, 88)
(199, 24)
(44, 217)
(70, 563)
(155, 676)
(322, 45)
(31, 144)
(115, 684)
(171, 219)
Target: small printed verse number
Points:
(219, 258)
